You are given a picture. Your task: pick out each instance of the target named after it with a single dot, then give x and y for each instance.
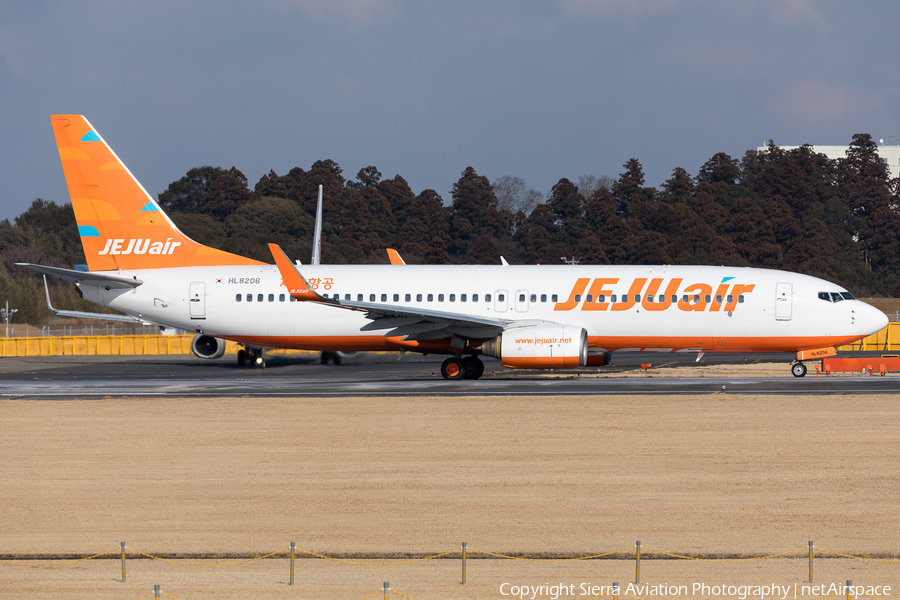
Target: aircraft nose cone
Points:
(871, 319)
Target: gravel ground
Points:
(716, 476)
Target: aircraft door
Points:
(501, 303)
(521, 300)
(198, 300)
(783, 301)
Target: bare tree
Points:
(588, 184)
(513, 195)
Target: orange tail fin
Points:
(120, 225)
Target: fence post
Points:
(123, 562)
(464, 562)
(810, 561)
(292, 564)
(615, 590)
(156, 592)
(637, 562)
(387, 589)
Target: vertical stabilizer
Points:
(120, 225)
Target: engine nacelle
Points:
(207, 346)
(548, 346)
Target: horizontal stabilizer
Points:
(111, 282)
(77, 314)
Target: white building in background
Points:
(890, 154)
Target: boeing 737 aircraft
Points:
(531, 317)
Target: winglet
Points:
(395, 257)
(296, 284)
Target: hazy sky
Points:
(539, 90)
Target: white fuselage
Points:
(716, 309)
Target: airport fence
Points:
(463, 553)
(886, 340)
(103, 345)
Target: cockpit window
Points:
(847, 296)
(825, 296)
(836, 297)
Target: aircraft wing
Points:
(110, 282)
(410, 323)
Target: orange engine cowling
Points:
(550, 346)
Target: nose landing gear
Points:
(798, 369)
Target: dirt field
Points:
(718, 476)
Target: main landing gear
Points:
(469, 367)
(798, 369)
(252, 356)
(334, 357)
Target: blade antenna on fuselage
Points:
(317, 238)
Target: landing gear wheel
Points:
(336, 358)
(473, 366)
(798, 369)
(325, 357)
(453, 368)
(242, 358)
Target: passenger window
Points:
(440, 297)
(741, 299)
(384, 297)
(637, 297)
(543, 297)
(487, 298)
(662, 299)
(685, 298)
(500, 298)
(407, 298)
(649, 298)
(730, 298)
(452, 297)
(281, 297)
(293, 299)
(534, 298)
(249, 297)
(238, 298)
(577, 298)
(475, 298)
(612, 298)
(718, 299)
(554, 298)
(601, 298)
(259, 297)
(359, 297)
(271, 297)
(521, 297)
(697, 298)
(371, 297)
(346, 296)
(707, 299)
(418, 297)
(431, 297)
(589, 298)
(462, 297)
(674, 298)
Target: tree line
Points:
(794, 210)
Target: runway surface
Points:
(377, 374)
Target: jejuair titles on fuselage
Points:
(694, 297)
